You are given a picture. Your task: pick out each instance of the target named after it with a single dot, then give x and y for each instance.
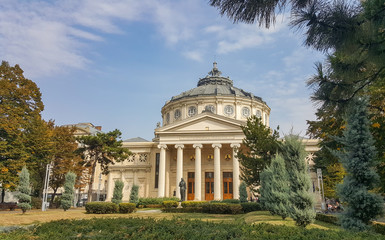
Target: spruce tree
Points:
(134, 195)
(68, 195)
(357, 158)
(24, 189)
(301, 199)
(118, 192)
(242, 192)
(275, 188)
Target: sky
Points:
(115, 63)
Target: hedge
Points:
(101, 207)
(186, 204)
(170, 204)
(251, 207)
(333, 219)
(145, 202)
(233, 201)
(222, 208)
(127, 207)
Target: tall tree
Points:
(24, 189)
(301, 199)
(68, 195)
(275, 188)
(358, 160)
(258, 148)
(102, 149)
(20, 101)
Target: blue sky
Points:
(115, 63)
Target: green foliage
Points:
(68, 195)
(327, 218)
(222, 208)
(101, 207)
(186, 204)
(233, 201)
(170, 204)
(378, 227)
(102, 149)
(127, 207)
(358, 160)
(24, 189)
(275, 188)
(242, 192)
(259, 146)
(301, 200)
(20, 102)
(134, 195)
(36, 202)
(251, 207)
(118, 192)
(145, 202)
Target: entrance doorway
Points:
(191, 186)
(209, 186)
(227, 185)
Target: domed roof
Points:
(217, 85)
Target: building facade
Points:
(197, 141)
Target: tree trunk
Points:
(89, 195)
(2, 195)
(53, 196)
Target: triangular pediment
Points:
(202, 123)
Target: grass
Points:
(16, 218)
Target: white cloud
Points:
(194, 55)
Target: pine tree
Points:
(68, 195)
(118, 192)
(24, 190)
(242, 192)
(301, 199)
(134, 195)
(275, 188)
(358, 160)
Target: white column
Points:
(198, 171)
(162, 170)
(235, 147)
(217, 171)
(179, 167)
(110, 187)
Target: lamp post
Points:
(45, 189)
(321, 188)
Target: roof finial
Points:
(215, 72)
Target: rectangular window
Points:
(157, 159)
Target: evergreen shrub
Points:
(170, 204)
(118, 192)
(327, 218)
(251, 207)
(187, 204)
(127, 207)
(233, 201)
(36, 202)
(134, 195)
(24, 191)
(101, 207)
(222, 208)
(68, 195)
(242, 192)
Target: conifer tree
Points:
(24, 189)
(134, 195)
(68, 195)
(275, 188)
(118, 192)
(242, 192)
(301, 200)
(358, 160)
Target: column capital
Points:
(235, 145)
(179, 146)
(164, 146)
(217, 145)
(197, 145)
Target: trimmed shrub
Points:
(118, 192)
(147, 202)
(36, 202)
(154, 206)
(170, 204)
(127, 207)
(251, 207)
(232, 201)
(242, 192)
(24, 191)
(101, 207)
(189, 204)
(327, 218)
(222, 208)
(134, 195)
